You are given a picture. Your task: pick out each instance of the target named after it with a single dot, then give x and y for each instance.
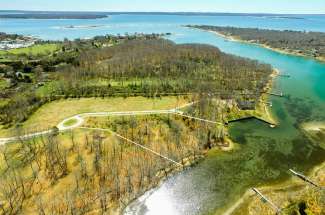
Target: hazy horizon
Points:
(198, 12)
(190, 6)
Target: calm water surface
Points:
(265, 154)
(120, 24)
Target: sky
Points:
(234, 6)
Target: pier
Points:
(265, 199)
(284, 75)
(279, 94)
(267, 103)
(304, 178)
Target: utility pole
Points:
(302, 177)
(265, 199)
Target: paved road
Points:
(24, 137)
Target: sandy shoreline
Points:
(313, 126)
(286, 185)
(237, 39)
(264, 98)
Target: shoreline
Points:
(162, 176)
(313, 126)
(191, 160)
(266, 112)
(238, 39)
(269, 117)
(171, 170)
(285, 186)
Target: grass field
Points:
(33, 50)
(70, 122)
(51, 114)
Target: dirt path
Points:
(79, 120)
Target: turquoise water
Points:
(52, 29)
(265, 154)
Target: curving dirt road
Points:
(79, 118)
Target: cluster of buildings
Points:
(16, 43)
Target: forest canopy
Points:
(147, 66)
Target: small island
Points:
(308, 44)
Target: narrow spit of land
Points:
(307, 44)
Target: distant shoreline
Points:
(53, 16)
(286, 52)
(27, 14)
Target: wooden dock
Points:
(267, 103)
(284, 75)
(265, 199)
(304, 178)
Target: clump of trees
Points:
(5, 36)
(138, 65)
(300, 42)
(157, 67)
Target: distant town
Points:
(13, 41)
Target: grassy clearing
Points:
(46, 89)
(53, 113)
(70, 122)
(33, 50)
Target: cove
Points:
(264, 155)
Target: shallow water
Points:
(120, 24)
(264, 154)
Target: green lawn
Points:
(33, 50)
(46, 89)
(70, 122)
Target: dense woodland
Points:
(310, 44)
(127, 66)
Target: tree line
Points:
(146, 66)
(301, 42)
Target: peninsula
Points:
(308, 44)
(114, 112)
